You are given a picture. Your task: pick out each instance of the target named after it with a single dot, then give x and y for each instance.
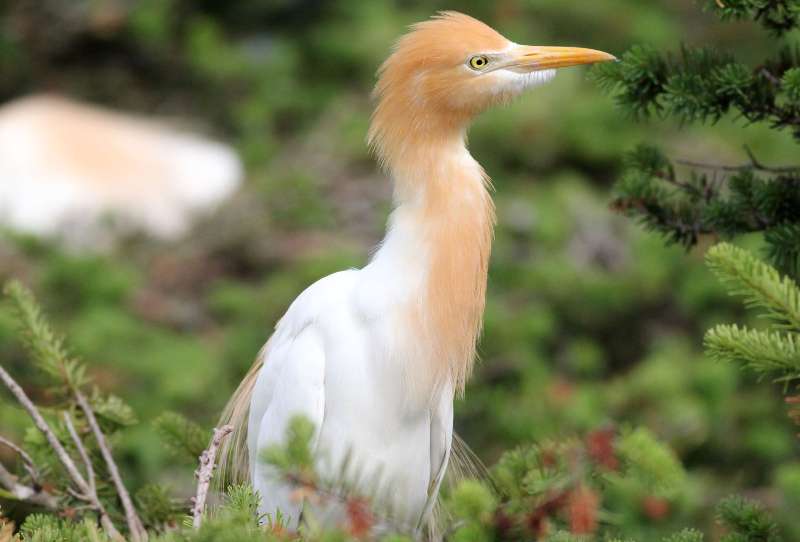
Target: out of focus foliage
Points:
(592, 343)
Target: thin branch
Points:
(7, 479)
(67, 462)
(30, 467)
(771, 77)
(204, 473)
(42, 426)
(754, 164)
(135, 526)
(673, 180)
(32, 494)
(84, 455)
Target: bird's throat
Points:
(444, 219)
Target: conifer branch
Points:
(66, 461)
(45, 347)
(49, 352)
(760, 284)
(762, 351)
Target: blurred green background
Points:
(590, 322)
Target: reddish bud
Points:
(582, 508)
(360, 517)
(655, 508)
(600, 447)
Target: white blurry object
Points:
(65, 166)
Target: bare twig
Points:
(32, 494)
(204, 473)
(67, 462)
(135, 526)
(771, 77)
(42, 426)
(30, 467)
(673, 180)
(754, 164)
(84, 455)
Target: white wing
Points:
(291, 383)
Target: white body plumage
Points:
(343, 357)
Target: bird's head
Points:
(448, 69)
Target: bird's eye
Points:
(478, 62)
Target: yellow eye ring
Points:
(478, 62)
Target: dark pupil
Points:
(479, 61)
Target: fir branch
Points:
(66, 461)
(783, 246)
(183, 437)
(777, 16)
(204, 473)
(747, 521)
(702, 85)
(761, 351)
(760, 284)
(51, 354)
(45, 347)
(727, 203)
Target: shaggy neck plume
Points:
(443, 203)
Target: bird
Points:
(376, 356)
(66, 167)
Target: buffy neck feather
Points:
(443, 196)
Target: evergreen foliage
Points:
(556, 491)
(183, 437)
(746, 521)
(779, 16)
(773, 352)
(46, 349)
(686, 200)
(576, 298)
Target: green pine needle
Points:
(747, 521)
(762, 351)
(183, 437)
(44, 346)
(761, 285)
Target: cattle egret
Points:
(374, 356)
(65, 166)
